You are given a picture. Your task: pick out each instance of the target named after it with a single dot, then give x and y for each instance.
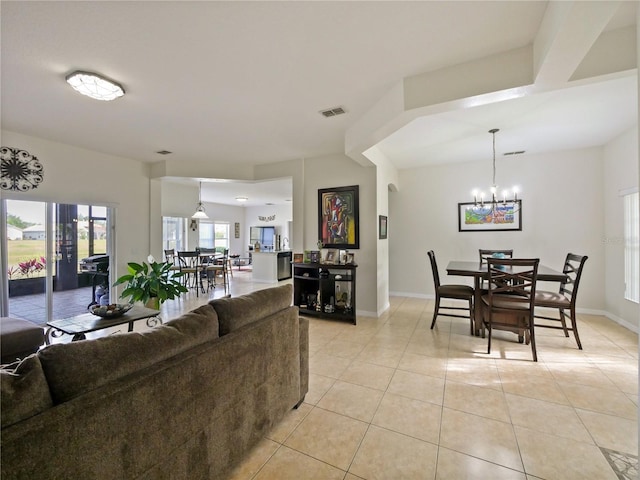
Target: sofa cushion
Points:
(236, 312)
(78, 367)
(24, 391)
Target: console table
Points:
(325, 290)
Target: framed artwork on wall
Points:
(382, 227)
(490, 217)
(237, 228)
(338, 217)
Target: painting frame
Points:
(382, 227)
(339, 217)
(482, 221)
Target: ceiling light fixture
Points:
(200, 213)
(242, 199)
(94, 86)
(508, 202)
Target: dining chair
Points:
(484, 254)
(565, 299)
(219, 270)
(188, 265)
(450, 291)
(170, 256)
(509, 301)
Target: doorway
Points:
(50, 248)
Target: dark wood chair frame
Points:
(565, 299)
(484, 254)
(450, 291)
(509, 302)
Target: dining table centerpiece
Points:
(151, 284)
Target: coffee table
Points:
(80, 325)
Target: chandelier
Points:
(200, 213)
(507, 199)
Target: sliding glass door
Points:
(56, 259)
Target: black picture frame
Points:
(490, 217)
(382, 227)
(338, 217)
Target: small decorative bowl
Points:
(110, 311)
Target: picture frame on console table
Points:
(338, 217)
(330, 256)
(490, 217)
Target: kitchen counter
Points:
(271, 266)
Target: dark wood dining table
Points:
(480, 271)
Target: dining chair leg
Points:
(489, 337)
(563, 322)
(532, 338)
(435, 312)
(472, 319)
(574, 327)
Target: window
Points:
(631, 247)
(212, 235)
(222, 235)
(174, 233)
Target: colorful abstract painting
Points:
(338, 217)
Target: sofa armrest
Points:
(304, 358)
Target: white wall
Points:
(76, 175)
(620, 172)
(338, 171)
(283, 215)
(562, 211)
(179, 200)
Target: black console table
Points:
(325, 290)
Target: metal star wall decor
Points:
(19, 170)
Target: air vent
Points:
(332, 112)
(164, 152)
(517, 152)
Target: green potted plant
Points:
(151, 284)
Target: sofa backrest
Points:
(74, 368)
(235, 312)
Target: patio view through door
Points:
(45, 246)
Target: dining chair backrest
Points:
(485, 254)
(188, 258)
(206, 254)
(170, 255)
(573, 265)
(513, 279)
(434, 268)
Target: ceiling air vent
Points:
(517, 152)
(332, 112)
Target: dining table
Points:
(480, 271)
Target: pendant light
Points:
(509, 197)
(200, 213)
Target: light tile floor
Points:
(392, 399)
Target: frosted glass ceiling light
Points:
(94, 86)
(200, 213)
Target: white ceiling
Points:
(241, 83)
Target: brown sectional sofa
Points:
(185, 400)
